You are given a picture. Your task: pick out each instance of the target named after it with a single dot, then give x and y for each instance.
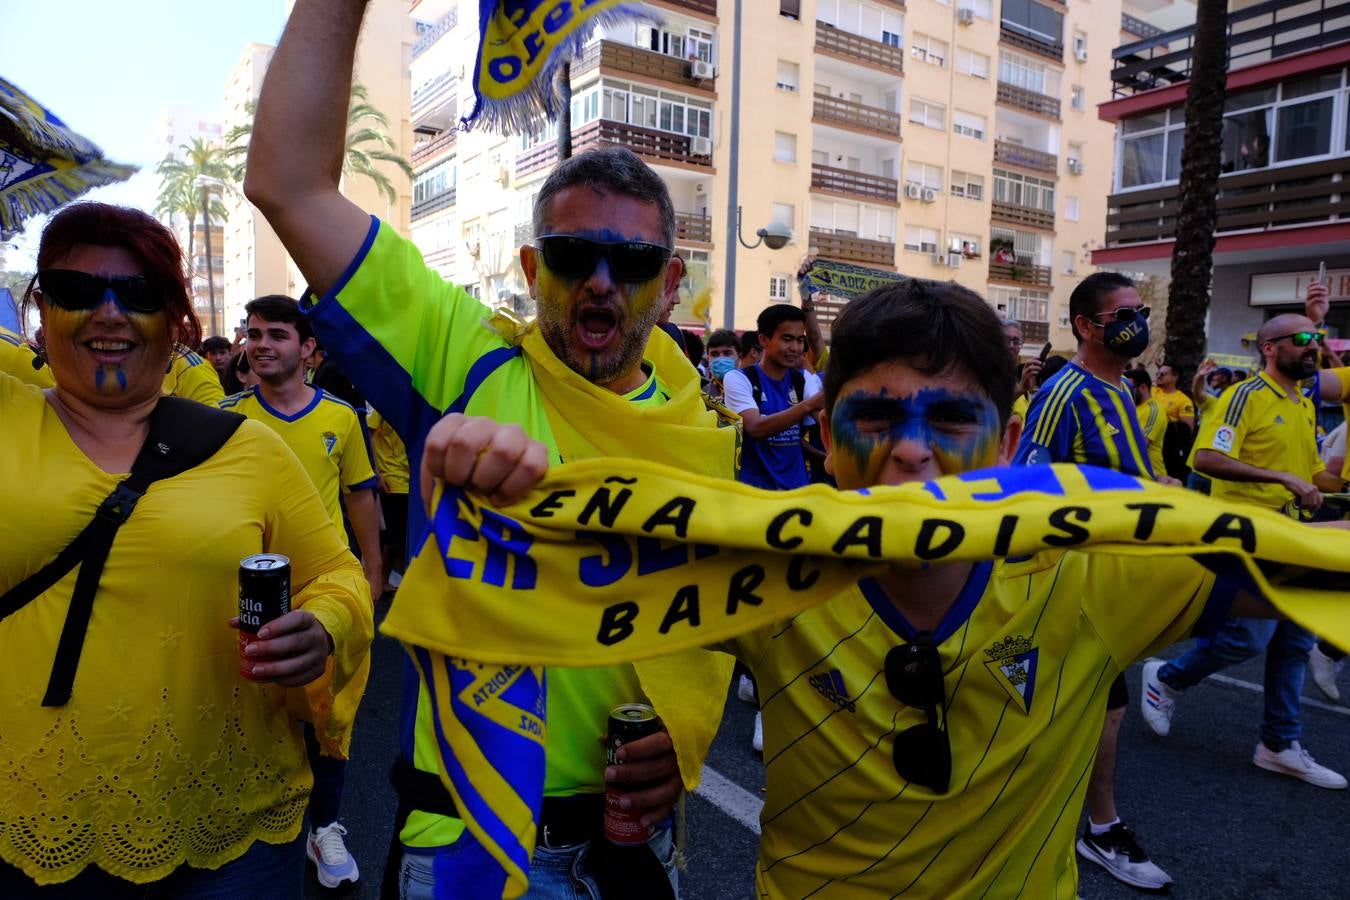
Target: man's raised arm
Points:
(299, 131)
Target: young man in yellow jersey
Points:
(1260, 447)
(326, 436)
(1152, 419)
(1177, 406)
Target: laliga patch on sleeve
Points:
(1223, 438)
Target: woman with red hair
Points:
(148, 765)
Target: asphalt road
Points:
(1221, 827)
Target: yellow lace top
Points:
(164, 755)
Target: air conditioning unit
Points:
(913, 191)
(700, 70)
(1080, 54)
(954, 259)
(965, 16)
(939, 259)
(1063, 320)
(700, 146)
(1075, 167)
(929, 195)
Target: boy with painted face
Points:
(933, 729)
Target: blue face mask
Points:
(1127, 339)
(721, 366)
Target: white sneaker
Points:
(1157, 701)
(745, 689)
(757, 740)
(1324, 670)
(1295, 761)
(332, 863)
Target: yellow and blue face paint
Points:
(62, 327)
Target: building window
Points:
(784, 147)
(966, 185)
(968, 245)
(1067, 262)
(785, 214)
(968, 125)
(1024, 190)
(1151, 149)
(778, 288)
(1025, 306)
(1077, 97)
(649, 108)
(1033, 19)
(790, 8)
(921, 240)
(983, 9)
(968, 62)
(928, 113)
(788, 75)
(1026, 73)
(929, 50)
(1071, 208)
(892, 39)
(924, 175)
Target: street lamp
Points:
(205, 182)
(775, 236)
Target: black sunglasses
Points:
(1304, 338)
(74, 290)
(923, 753)
(1125, 313)
(576, 257)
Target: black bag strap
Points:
(182, 435)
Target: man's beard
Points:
(1297, 368)
(597, 368)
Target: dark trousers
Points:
(329, 777)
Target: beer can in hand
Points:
(264, 595)
(628, 722)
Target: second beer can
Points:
(627, 722)
(264, 595)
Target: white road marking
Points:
(730, 798)
(1258, 689)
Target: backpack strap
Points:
(798, 378)
(756, 387)
(183, 434)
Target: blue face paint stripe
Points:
(908, 419)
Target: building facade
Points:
(1285, 160)
(952, 140)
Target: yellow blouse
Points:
(164, 755)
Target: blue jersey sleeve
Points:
(1047, 434)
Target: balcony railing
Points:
(1030, 101)
(1256, 34)
(853, 249)
(856, 115)
(426, 151)
(433, 34)
(648, 142)
(856, 48)
(1138, 27)
(639, 61)
(1264, 198)
(434, 204)
(427, 96)
(1014, 35)
(857, 184)
(1034, 332)
(707, 7)
(1025, 157)
(1021, 273)
(1017, 214)
(692, 227)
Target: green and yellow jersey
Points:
(1030, 650)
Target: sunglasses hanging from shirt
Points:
(74, 290)
(576, 257)
(923, 753)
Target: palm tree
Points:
(191, 186)
(1197, 214)
(368, 143)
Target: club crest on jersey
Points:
(329, 442)
(830, 685)
(1012, 662)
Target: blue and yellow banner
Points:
(614, 560)
(43, 164)
(846, 280)
(521, 44)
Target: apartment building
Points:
(1285, 160)
(952, 140)
(255, 263)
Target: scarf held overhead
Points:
(614, 560)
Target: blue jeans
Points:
(264, 872)
(555, 874)
(1286, 646)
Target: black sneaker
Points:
(1119, 853)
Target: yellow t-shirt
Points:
(391, 457)
(1174, 403)
(325, 436)
(1021, 405)
(1030, 650)
(1153, 423)
(164, 755)
(1257, 423)
(16, 359)
(192, 377)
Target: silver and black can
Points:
(264, 595)
(628, 722)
